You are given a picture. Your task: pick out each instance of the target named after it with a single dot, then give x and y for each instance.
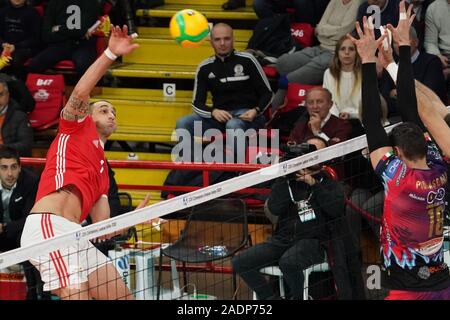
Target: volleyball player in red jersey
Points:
(75, 184)
(414, 178)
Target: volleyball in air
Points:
(189, 28)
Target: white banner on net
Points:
(182, 202)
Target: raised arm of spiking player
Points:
(120, 43)
(432, 112)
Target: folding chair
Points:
(214, 230)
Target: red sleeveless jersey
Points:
(76, 157)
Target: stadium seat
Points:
(48, 93)
(303, 33)
(275, 271)
(295, 96)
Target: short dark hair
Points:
(409, 137)
(9, 153)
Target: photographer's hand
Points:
(306, 177)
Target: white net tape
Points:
(182, 202)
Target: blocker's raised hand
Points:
(401, 32)
(366, 44)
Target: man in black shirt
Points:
(239, 88)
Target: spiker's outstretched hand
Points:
(120, 43)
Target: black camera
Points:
(292, 151)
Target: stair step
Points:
(140, 70)
(210, 12)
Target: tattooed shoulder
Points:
(75, 108)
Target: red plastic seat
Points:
(303, 33)
(48, 92)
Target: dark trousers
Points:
(292, 260)
(82, 56)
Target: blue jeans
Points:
(188, 122)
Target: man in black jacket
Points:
(15, 128)
(239, 88)
(18, 189)
(309, 211)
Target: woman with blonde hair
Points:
(343, 80)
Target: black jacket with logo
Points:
(20, 204)
(237, 82)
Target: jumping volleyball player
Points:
(414, 178)
(75, 184)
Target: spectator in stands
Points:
(388, 12)
(16, 131)
(65, 32)
(307, 11)
(318, 120)
(307, 210)
(308, 65)
(427, 69)
(437, 34)
(20, 35)
(343, 80)
(18, 187)
(19, 92)
(240, 90)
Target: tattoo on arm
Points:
(75, 108)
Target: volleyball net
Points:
(182, 248)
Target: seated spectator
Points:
(65, 39)
(307, 11)
(318, 120)
(308, 209)
(16, 131)
(19, 92)
(389, 12)
(343, 80)
(427, 69)
(20, 26)
(18, 188)
(437, 34)
(308, 65)
(239, 88)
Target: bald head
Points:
(222, 39)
